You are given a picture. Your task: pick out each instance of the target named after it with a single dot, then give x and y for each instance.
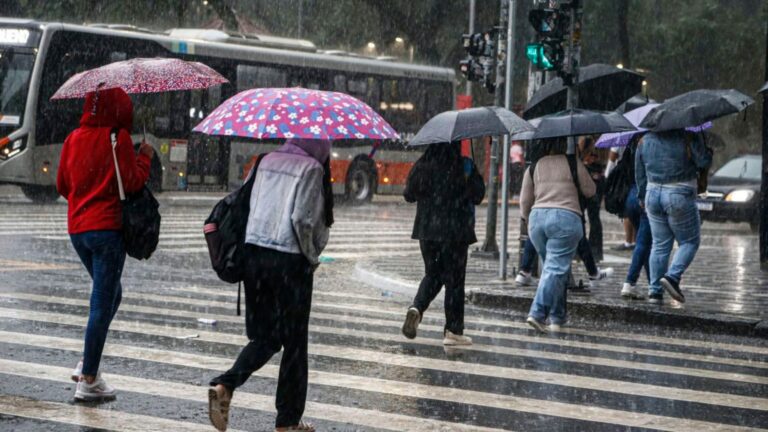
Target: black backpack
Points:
(619, 182)
(141, 215)
(225, 232)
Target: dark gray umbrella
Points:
(575, 123)
(601, 87)
(633, 103)
(469, 123)
(763, 88)
(694, 108)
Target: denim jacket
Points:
(287, 206)
(663, 157)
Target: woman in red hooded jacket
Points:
(88, 180)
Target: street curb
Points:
(497, 299)
(582, 307)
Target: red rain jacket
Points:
(86, 176)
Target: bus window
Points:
(366, 89)
(402, 103)
(439, 98)
(249, 76)
(340, 83)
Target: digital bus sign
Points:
(18, 36)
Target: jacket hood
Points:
(318, 149)
(108, 108)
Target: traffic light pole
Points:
(764, 184)
(573, 59)
(490, 248)
(508, 88)
(471, 30)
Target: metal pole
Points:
(471, 30)
(508, 95)
(764, 184)
(298, 32)
(572, 100)
(490, 247)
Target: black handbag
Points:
(141, 215)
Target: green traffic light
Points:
(537, 55)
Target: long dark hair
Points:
(447, 156)
(328, 192)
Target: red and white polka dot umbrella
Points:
(141, 75)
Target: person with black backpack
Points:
(289, 216)
(550, 203)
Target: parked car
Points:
(733, 193)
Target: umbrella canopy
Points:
(695, 108)
(296, 113)
(141, 75)
(469, 123)
(577, 122)
(634, 103)
(621, 139)
(601, 87)
(763, 88)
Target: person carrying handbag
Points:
(87, 179)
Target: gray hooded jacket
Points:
(287, 205)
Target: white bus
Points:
(37, 57)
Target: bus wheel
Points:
(361, 182)
(40, 194)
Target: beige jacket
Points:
(553, 186)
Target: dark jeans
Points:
(278, 297)
(644, 240)
(582, 250)
(103, 255)
(595, 224)
(445, 263)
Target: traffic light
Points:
(481, 50)
(551, 26)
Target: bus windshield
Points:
(15, 72)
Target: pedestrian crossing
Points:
(364, 376)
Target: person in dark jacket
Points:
(446, 188)
(87, 179)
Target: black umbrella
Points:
(633, 103)
(763, 88)
(577, 122)
(469, 123)
(601, 87)
(694, 108)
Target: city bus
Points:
(37, 57)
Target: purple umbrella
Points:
(621, 139)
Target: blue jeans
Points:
(103, 255)
(642, 251)
(673, 216)
(555, 234)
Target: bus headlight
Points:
(12, 149)
(742, 195)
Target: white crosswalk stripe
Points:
(363, 374)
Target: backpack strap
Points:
(113, 138)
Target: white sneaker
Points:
(523, 279)
(77, 371)
(99, 390)
(602, 274)
(555, 328)
(454, 339)
(631, 291)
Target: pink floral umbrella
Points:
(296, 113)
(141, 75)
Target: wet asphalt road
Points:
(364, 376)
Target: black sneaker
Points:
(672, 288)
(655, 299)
(412, 320)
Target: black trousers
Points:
(445, 263)
(278, 297)
(595, 224)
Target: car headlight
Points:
(743, 195)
